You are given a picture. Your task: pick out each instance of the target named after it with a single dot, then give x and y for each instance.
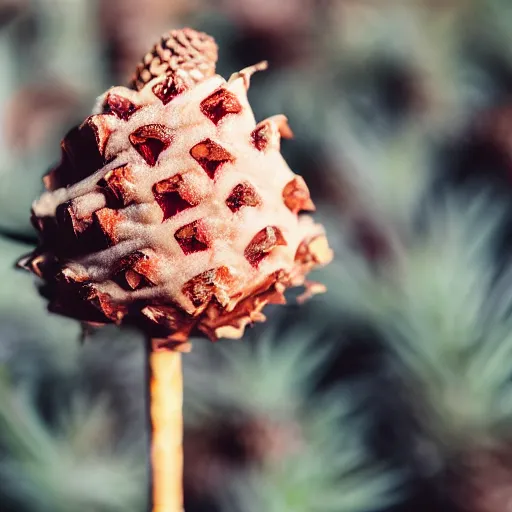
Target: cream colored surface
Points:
(141, 227)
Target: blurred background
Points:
(391, 392)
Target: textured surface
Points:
(166, 392)
(192, 53)
(173, 208)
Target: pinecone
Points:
(172, 209)
(193, 53)
(484, 481)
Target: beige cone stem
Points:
(166, 421)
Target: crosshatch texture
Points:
(173, 208)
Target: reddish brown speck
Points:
(242, 195)
(128, 261)
(150, 140)
(210, 156)
(135, 271)
(168, 90)
(134, 279)
(296, 195)
(200, 289)
(114, 312)
(116, 181)
(190, 238)
(108, 219)
(66, 217)
(219, 104)
(123, 108)
(259, 137)
(262, 243)
(168, 197)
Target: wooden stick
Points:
(166, 421)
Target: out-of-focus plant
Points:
(444, 312)
(71, 417)
(304, 450)
(72, 466)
